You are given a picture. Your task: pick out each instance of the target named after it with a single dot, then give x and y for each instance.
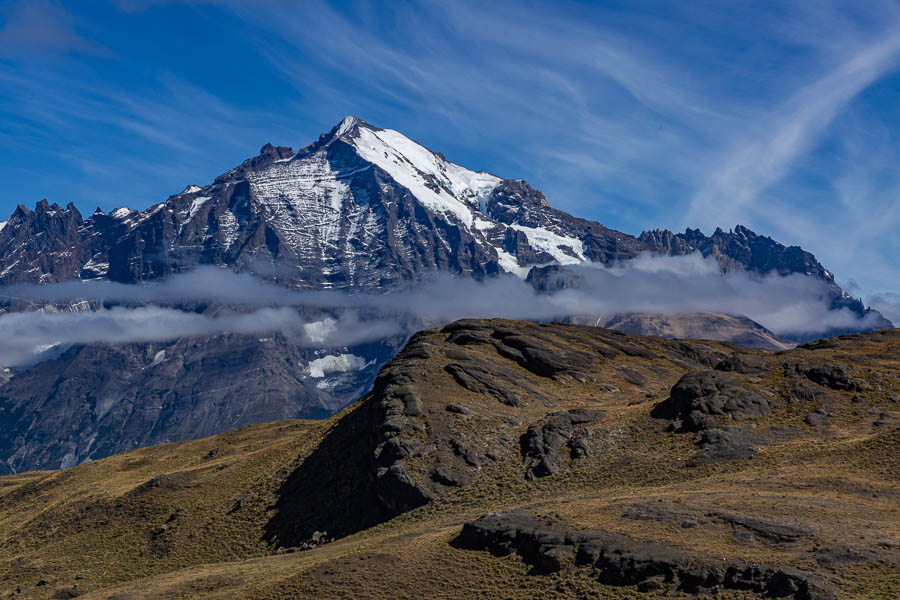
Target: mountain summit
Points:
(360, 208)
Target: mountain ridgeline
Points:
(362, 209)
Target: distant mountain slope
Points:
(97, 400)
(699, 325)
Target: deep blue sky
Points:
(780, 116)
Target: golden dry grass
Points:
(198, 530)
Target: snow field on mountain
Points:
(406, 162)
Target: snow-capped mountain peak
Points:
(439, 184)
(346, 125)
(360, 208)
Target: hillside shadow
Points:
(332, 493)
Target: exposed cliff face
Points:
(744, 249)
(97, 400)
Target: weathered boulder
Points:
(549, 445)
(730, 443)
(544, 359)
(705, 399)
(744, 363)
(826, 374)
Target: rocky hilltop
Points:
(498, 458)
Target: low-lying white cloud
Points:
(794, 305)
(26, 337)
(887, 304)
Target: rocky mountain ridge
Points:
(362, 207)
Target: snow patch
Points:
(68, 461)
(346, 125)
(552, 243)
(121, 213)
(307, 201)
(229, 228)
(336, 363)
(509, 264)
(97, 266)
(191, 189)
(158, 358)
(196, 205)
(2, 225)
(482, 225)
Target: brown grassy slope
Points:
(206, 518)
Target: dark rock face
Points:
(45, 245)
(479, 380)
(553, 278)
(402, 446)
(742, 248)
(743, 363)
(703, 399)
(533, 351)
(622, 561)
(98, 400)
(549, 444)
(730, 443)
(359, 468)
(693, 353)
(836, 377)
(709, 402)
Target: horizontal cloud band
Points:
(794, 304)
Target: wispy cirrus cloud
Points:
(788, 133)
(43, 26)
(640, 116)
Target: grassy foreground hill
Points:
(504, 459)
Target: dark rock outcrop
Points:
(826, 374)
(744, 249)
(729, 443)
(743, 363)
(622, 561)
(550, 444)
(705, 399)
